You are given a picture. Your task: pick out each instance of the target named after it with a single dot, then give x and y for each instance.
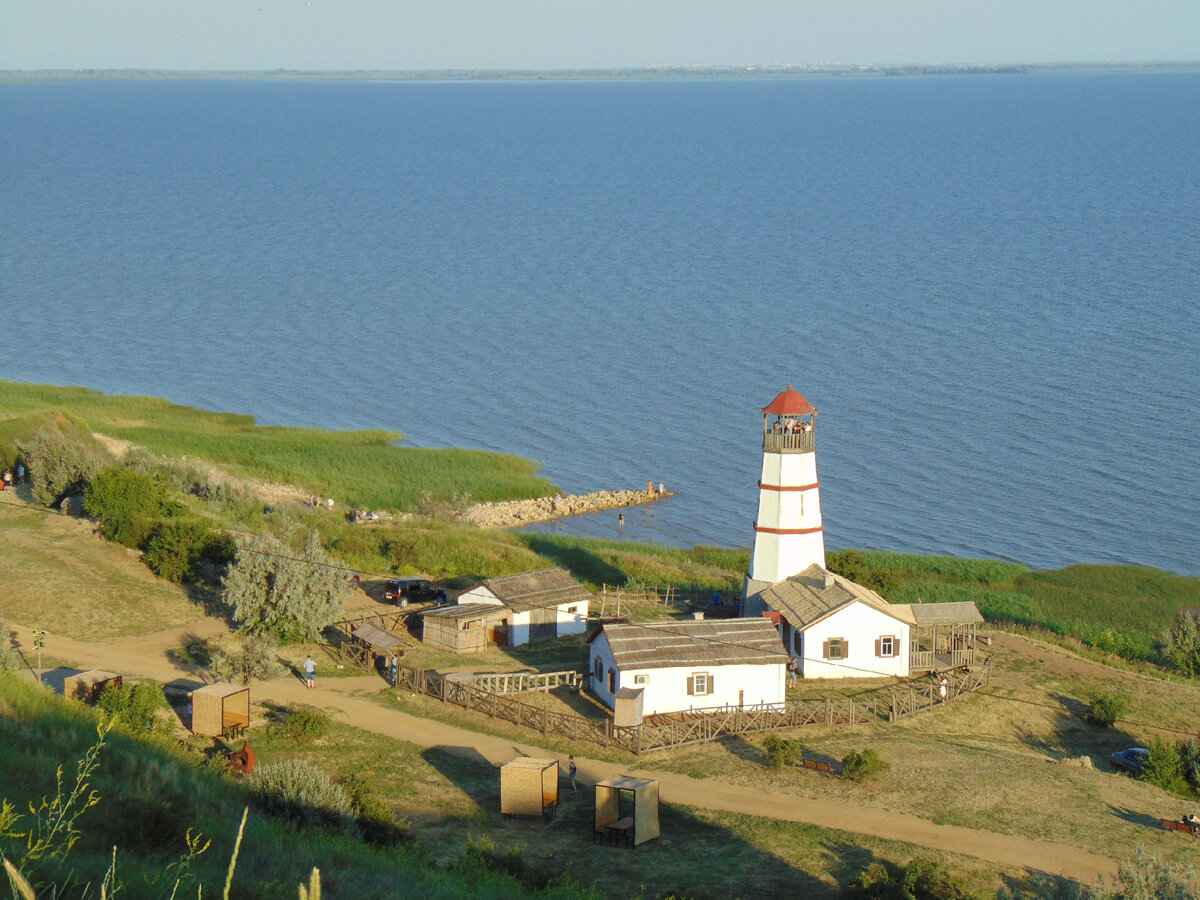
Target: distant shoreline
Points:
(771, 71)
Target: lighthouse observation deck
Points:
(789, 442)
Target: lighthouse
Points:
(788, 535)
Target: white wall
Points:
(479, 594)
(860, 625)
(665, 689)
(566, 622)
(776, 556)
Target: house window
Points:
(612, 681)
(598, 670)
(641, 679)
(699, 683)
(887, 645)
(572, 609)
(835, 648)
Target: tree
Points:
(9, 661)
(290, 595)
(176, 546)
(253, 660)
(59, 464)
(1183, 643)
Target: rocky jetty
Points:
(541, 509)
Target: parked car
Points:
(1131, 761)
(403, 591)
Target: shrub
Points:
(301, 794)
(483, 856)
(378, 822)
(863, 766)
(9, 661)
(1105, 709)
(176, 546)
(59, 464)
(253, 660)
(854, 565)
(782, 752)
(135, 706)
(923, 879)
(303, 725)
(1182, 648)
(1189, 762)
(1164, 767)
(128, 504)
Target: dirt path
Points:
(147, 657)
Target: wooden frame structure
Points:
(88, 686)
(944, 637)
(529, 787)
(626, 811)
(220, 709)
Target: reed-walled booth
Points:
(626, 811)
(465, 627)
(529, 787)
(88, 686)
(220, 709)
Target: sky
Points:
(577, 34)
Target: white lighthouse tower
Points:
(788, 535)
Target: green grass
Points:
(359, 468)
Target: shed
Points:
(220, 708)
(627, 710)
(545, 603)
(376, 641)
(626, 811)
(88, 686)
(529, 787)
(464, 627)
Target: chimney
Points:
(828, 579)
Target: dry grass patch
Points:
(59, 575)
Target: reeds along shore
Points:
(521, 512)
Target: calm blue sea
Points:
(987, 285)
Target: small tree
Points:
(59, 464)
(863, 766)
(135, 706)
(176, 546)
(1164, 767)
(9, 661)
(253, 660)
(1183, 643)
(273, 590)
(1105, 709)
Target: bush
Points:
(482, 855)
(135, 706)
(1182, 648)
(854, 565)
(9, 661)
(253, 660)
(176, 546)
(303, 725)
(1164, 766)
(301, 794)
(782, 752)
(1105, 709)
(378, 822)
(128, 504)
(924, 879)
(59, 464)
(863, 766)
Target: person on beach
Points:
(661, 488)
(310, 672)
(620, 520)
(6, 480)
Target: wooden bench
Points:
(1175, 825)
(815, 765)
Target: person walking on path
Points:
(310, 672)
(20, 473)
(793, 667)
(393, 669)
(572, 771)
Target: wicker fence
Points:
(694, 726)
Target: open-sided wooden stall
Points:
(220, 709)
(88, 686)
(529, 787)
(626, 811)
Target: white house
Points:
(690, 664)
(834, 627)
(545, 603)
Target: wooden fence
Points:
(346, 649)
(695, 726)
(519, 682)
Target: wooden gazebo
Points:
(944, 636)
(529, 787)
(88, 686)
(626, 811)
(220, 709)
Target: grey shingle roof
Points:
(809, 597)
(537, 590)
(695, 643)
(379, 638)
(464, 610)
(962, 613)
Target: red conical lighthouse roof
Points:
(789, 403)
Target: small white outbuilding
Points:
(545, 604)
(690, 665)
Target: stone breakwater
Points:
(541, 509)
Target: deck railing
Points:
(928, 660)
(789, 442)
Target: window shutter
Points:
(691, 685)
(711, 688)
(845, 649)
(825, 650)
(879, 646)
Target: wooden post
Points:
(828, 713)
